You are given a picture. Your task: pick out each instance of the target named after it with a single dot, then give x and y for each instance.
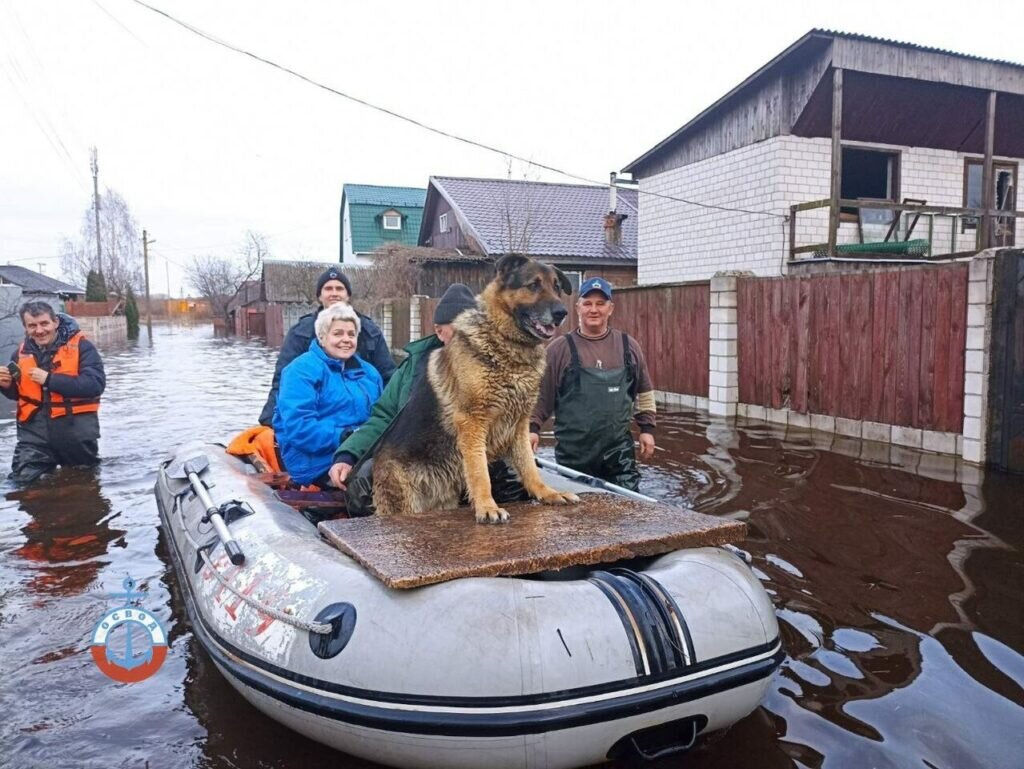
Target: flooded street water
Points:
(898, 580)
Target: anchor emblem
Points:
(124, 664)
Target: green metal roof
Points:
(366, 206)
(373, 195)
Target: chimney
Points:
(613, 220)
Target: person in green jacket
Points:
(457, 298)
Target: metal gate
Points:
(1006, 385)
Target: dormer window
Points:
(392, 220)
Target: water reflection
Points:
(898, 578)
(67, 531)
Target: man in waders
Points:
(595, 383)
(57, 377)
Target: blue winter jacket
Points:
(321, 399)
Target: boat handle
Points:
(671, 750)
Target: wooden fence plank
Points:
(914, 346)
(942, 352)
(926, 356)
(802, 299)
(957, 341)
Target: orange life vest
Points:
(31, 396)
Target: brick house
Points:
(583, 229)
(842, 147)
(373, 216)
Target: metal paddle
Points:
(590, 480)
(192, 468)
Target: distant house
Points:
(269, 306)
(583, 229)
(842, 147)
(35, 285)
(373, 216)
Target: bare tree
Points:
(518, 214)
(395, 272)
(220, 279)
(122, 246)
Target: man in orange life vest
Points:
(56, 375)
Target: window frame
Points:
(851, 215)
(442, 223)
(391, 214)
(970, 223)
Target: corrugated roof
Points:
(541, 218)
(31, 281)
(374, 195)
(914, 46)
(815, 36)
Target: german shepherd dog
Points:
(474, 404)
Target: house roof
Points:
(556, 221)
(366, 205)
(862, 54)
(33, 282)
(376, 195)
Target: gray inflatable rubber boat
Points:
(633, 659)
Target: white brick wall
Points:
(678, 241)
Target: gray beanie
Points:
(457, 298)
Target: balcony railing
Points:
(906, 240)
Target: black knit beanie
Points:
(457, 298)
(334, 274)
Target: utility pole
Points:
(94, 162)
(145, 263)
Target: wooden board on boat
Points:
(449, 544)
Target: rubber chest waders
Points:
(593, 411)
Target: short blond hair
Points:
(329, 315)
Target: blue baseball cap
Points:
(596, 284)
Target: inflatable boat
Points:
(631, 659)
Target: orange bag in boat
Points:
(257, 442)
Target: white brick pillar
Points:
(723, 361)
(414, 317)
(386, 323)
(976, 357)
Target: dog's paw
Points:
(553, 497)
(493, 514)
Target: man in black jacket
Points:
(332, 287)
(57, 377)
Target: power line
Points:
(419, 124)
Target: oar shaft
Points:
(231, 547)
(590, 480)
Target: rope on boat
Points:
(323, 628)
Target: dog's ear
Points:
(507, 266)
(563, 282)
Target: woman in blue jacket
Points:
(326, 393)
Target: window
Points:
(1004, 176)
(575, 278)
(871, 174)
(442, 223)
(392, 220)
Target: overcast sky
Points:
(205, 143)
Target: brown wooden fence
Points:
(881, 346)
(671, 323)
(82, 309)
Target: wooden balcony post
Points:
(837, 159)
(987, 180)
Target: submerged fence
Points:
(881, 346)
